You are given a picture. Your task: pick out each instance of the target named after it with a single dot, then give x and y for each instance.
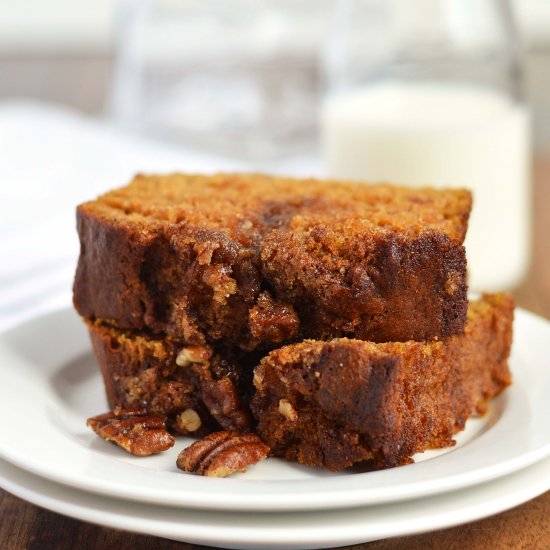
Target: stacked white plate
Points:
(50, 384)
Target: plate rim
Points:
(468, 504)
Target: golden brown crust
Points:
(353, 400)
(245, 206)
(197, 258)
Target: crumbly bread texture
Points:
(196, 389)
(337, 403)
(328, 404)
(251, 261)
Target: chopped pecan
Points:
(193, 354)
(221, 454)
(134, 430)
(220, 396)
(188, 421)
(218, 278)
(223, 403)
(287, 410)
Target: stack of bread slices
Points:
(330, 318)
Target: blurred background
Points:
(439, 92)
(64, 51)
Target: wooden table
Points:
(25, 526)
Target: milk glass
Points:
(428, 92)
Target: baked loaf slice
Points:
(337, 403)
(197, 389)
(376, 402)
(250, 261)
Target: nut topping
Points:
(258, 379)
(221, 454)
(193, 354)
(188, 421)
(222, 401)
(220, 396)
(287, 410)
(134, 430)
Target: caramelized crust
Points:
(337, 403)
(250, 261)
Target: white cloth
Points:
(51, 159)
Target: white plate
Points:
(50, 385)
(320, 529)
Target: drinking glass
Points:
(239, 78)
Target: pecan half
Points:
(134, 430)
(221, 454)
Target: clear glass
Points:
(428, 92)
(240, 78)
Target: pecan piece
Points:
(223, 403)
(221, 454)
(193, 355)
(134, 430)
(188, 421)
(287, 410)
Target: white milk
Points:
(442, 135)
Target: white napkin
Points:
(51, 159)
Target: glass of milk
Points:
(427, 92)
